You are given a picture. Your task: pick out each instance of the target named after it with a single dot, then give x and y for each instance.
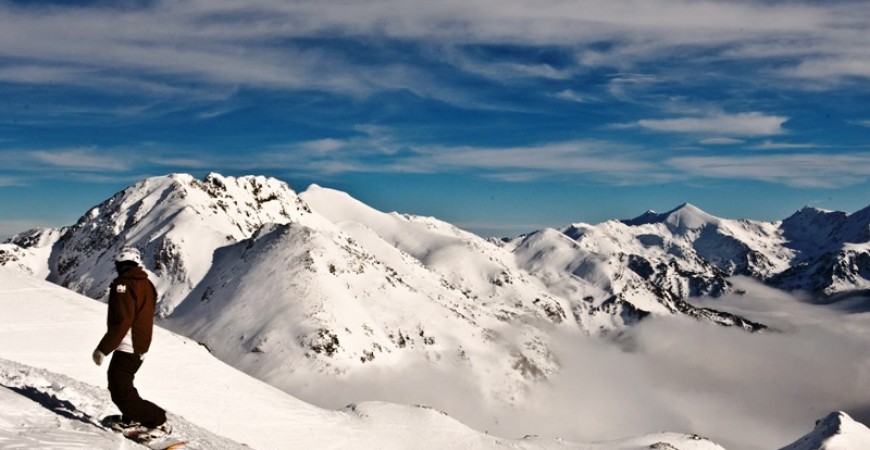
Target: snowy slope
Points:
(338, 296)
(294, 301)
(49, 393)
(837, 431)
(43, 410)
(477, 267)
(279, 291)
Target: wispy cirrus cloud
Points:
(608, 162)
(771, 145)
(79, 159)
(582, 157)
(270, 43)
(807, 170)
(95, 164)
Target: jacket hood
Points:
(136, 273)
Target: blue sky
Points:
(500, 116)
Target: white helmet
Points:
(129, 254)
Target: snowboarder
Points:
(132, 299)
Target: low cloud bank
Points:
(744, 391)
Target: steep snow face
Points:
(301, 299)
(812, 231)
(587, 279)
(837, 431)
(857, 227)
(176, 221)
(485, 273)
(832, 251)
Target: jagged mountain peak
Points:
(810, 213)
(176, 221)
(837, 430)
(812, 231)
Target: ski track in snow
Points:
(51, 411)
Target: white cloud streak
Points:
(722, 141)
(79, 159)
(810, 170)
(579, 156)
(378, 151)
(93, 164)
(10, 181)
(571, 96)
(742, 124)
(770, 145)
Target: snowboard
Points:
(141, 436)
(166, 443)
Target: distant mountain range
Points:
(276, 282)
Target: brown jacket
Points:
(132, 298)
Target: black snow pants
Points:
(122, 370)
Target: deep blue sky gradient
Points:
(498, 116)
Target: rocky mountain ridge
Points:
(835, 431)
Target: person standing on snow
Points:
(132, 299)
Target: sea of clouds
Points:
(742, 390)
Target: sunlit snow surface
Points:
(334, 302)
(51, 396)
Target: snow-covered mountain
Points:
(655, 262)
(279, 284)
(651, 264)
(176, 221)
(50, 399)
(832, 251)
(834, 432)
(330, 294)
(245, 267)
